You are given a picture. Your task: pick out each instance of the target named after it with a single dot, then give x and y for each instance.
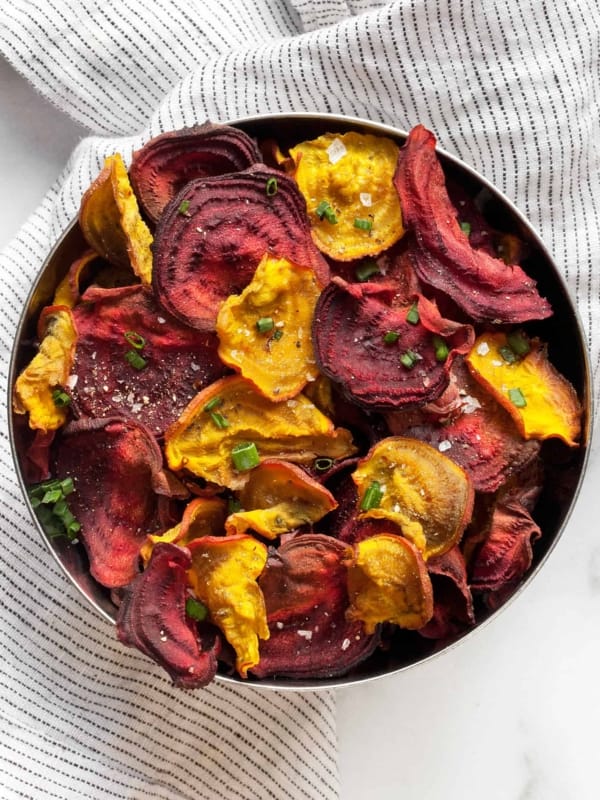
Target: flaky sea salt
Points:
(483, 349)
(365, 199)
(336, 150)
(305, 635)
(444, 445)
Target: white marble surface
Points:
(511, 714)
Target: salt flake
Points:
(336, 150)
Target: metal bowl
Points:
(563, 333)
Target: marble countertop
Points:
(510, 714)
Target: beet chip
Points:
(152, 618)
(384, 357)
(177, 361)
(486, 288)
(116, 466)
(452, 599)
(162, 167)
(304, 586)
(212, 250)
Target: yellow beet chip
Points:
(111, 223)
(346, 180)
(265, 332)
(231, 414)
(540, 400)
(278, 498)
(414, 485)
(388, 582)
(223, 576)
(48, 372)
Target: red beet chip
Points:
(477, 433)
(212, 250)
(152, 618)
(116, 467)
(485, 287)
(170, 361)
(384, 357)
(452, 599)
(305, 591)
(162, 167)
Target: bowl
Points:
(563, 334)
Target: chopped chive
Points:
(184, 207)
(508, 354)
(52, 509)
(325, 211)
(440, 348)
(136, 340)
(52, 496)
(391, 337)
(366, 270)
(372, 496)
(67, 486)
(265, 324)
(518, 343)
(322, 464)
(245, 456)
(409, 359)
(412, 315)
(195, 609)
(213, 403)
(60, 398)
(517, 398)
(233, 505)
(135, 359)
(277, 334)
(466, 228)
(363, 224)
(219, 420)
(271, 187)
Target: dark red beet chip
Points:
(116, 467)
(452, 600)
(485, 287)
(178, 360)
(212, 251)
(152, 618)
(304, 586)
(162, 167)
(475, 432)
(350, 328)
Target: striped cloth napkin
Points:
(512, 88)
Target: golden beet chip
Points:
(541, 401)
(111, 223)
(388, 582)
(223, 576)
(265, 332)
(346, 180)
(203, 516)
(229, 414)
(48, 371)
(414, 485)
(278, 498)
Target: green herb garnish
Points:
(391, 337)
(366, 270)
(325, 211)
(245, 456)
(372, 496)
(271, 187)
(517, 398)
(363, 224)
(195, 609)
(135, 359)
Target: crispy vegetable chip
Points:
(541, 401)
(111, 223)
(485, 287)
(223, 575)
(47, 372)
(116, 466)
(203, 516)
(417, 487)
(162, 167)
(231, 221)
(202, 443)
(265, 332)
(379, 357)
(388, 582)
(346, 180)
(133, 359)
(152, 618)
(452, 599)
(305, 590)
(278, 498)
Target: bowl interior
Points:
(563, 333)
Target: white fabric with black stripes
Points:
(512, 88)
